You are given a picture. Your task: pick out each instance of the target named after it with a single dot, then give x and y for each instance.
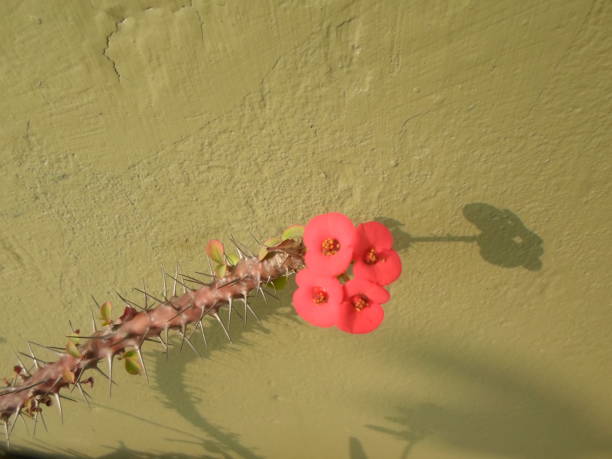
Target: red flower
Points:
(329, 240)
(375, 260)
(361, 310)
(318, 298)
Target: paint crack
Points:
(105, 51)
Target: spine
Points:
(31, 390)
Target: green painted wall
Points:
(132, 132)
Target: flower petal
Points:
(329, 226)
(374, 292)
(372, 235)
(320, 315)
(386, 270)
(323, 314)
(366, 320)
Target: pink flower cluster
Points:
(333, 243)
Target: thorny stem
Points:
(30, 391)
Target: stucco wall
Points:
(132, 132)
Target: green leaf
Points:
(233, 259)
(106, 311)
(72, 349)
(272, 241)
(215, 250)
(131, 362)
(279, 283)
(293, 232)
(220, 271)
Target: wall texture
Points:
(132, 132)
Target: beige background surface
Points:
(132, 132)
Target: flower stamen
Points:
(330, 247)
(359, 302)
(319, 296)
(370, 257)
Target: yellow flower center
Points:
(330, 247)
(319, 295)
(360, 301)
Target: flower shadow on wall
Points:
(504, 240)
(511, 416)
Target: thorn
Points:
(165, 289)
(175, 280)
(271, 294)
(247, 307)
(182, 332)
(7, 435)
(35, 422)
(161, 341)
(253, 236)
(204, 274)
(201, 325)
(185, 286)
(94, 329)
(241, 247)
(105, 375)
(212, 272)
(144, 368)
(54, 349)
(32, 355)
(21, 364)
(273, 286)
(241, 254)
(94, 300)
(16, 414)
(167, 342)
(216, 316)
(182, 283)
(80, 387)
(110, 335)
(233, 281)
(229, 313)
(181, 312)
(185, 339)
(36, 360)
(109, 362)
(144, 292)
(128, 302)
(42, 418)
(16, 390)
(262, 293)
(59, 406)
(192, 279)
(146, 302)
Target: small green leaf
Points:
(220, 271)
(272, 241)
(131, 362)
(233, 259)
(72, 349)
(132, 367)
(131, 354)
(105, 312)
(293, 232)
(215, 250)
(279, 283)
